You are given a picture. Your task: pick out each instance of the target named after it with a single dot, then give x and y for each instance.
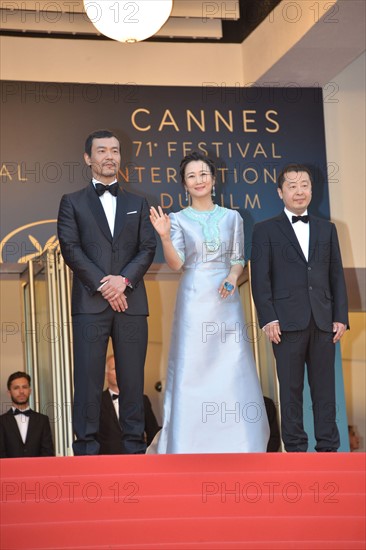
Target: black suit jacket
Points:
(110, 431)
(91, 252)
(39, 438)
(288, 288)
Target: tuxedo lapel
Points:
(98, 211)
(14, 427)
(32, 428)
(121, 212)
(314, 235)
(112, 411)
(286, 228)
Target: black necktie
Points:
(100, 189)
(115, 396)
(18, 411)
(304, 219)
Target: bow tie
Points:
(18, 411)
(304, 219)
(115, 396)
(100, 189)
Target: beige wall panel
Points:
(110, 62)
(12, 348)
(345, 117)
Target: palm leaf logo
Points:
(50, 244)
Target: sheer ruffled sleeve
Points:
(177, 237)
(237, 252)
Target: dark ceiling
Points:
(252, 13)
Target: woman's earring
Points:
(186, 195)
(213, 192)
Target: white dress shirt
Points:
(109, 203)
(23, 422)
(302, 232)
(115, 402)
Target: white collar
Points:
(95, 181)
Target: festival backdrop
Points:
(250, 133)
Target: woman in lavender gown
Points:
(213, 400)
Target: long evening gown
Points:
(213, 401)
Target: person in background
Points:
(23, 432)
(354, 440)
(110, 429)
(274, 436)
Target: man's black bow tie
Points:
(100, 189)
(115, 396)
(18, 411)
(304, 219)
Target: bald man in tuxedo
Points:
(110, 429)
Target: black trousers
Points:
(90, 340)
(314, 348)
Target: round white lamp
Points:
(128, 20)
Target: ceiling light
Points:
(127, 20)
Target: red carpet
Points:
(212, 502)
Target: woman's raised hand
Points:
(160, 221)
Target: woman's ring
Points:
(228, 286)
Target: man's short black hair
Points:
(292, 168)
(96, 135)
(16, 375)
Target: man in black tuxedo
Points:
(300, 294)
(23, 432)
(107, 240)
(110, 430)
